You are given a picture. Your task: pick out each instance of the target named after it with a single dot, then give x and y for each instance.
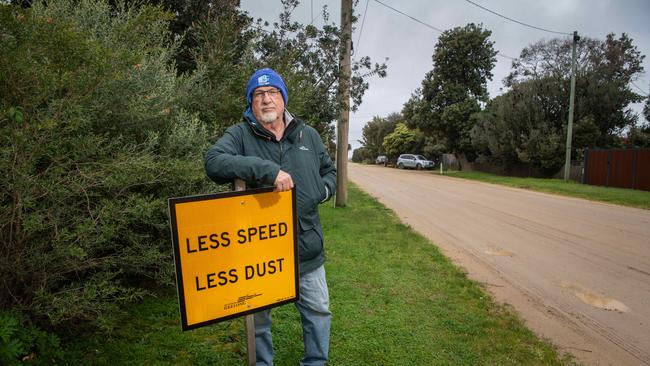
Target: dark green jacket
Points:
(252, 153)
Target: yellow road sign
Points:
(235, 253)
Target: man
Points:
(271, 147)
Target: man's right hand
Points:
(283, 182)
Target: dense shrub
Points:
(362, 155)
(93, 143)
(98, 128)
(20, 345)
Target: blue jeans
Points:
(315, 317)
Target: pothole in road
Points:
(499, 252)
(602, 302)
(596, 300)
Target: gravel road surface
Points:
(578, 272)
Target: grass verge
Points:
(396, 301)
(619, 196)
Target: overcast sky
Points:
(409, 45)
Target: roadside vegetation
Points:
(452, 113)
(396, 301)
(619, 196)
(106, 110)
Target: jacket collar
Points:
(290, 131)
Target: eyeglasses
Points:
(259, 94)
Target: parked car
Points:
(413, 161)
(382, 159)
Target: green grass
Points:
(396, 301)
(619, 196)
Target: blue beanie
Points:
(266, 77)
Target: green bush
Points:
(20, 344)
(98, 129)
(94, 141)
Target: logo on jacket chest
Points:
(303, 148)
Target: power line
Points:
(412, 18)
(518, 22)
(362, 23)
(645, 94)
(432, 27)
(312, 15)
(499, 53)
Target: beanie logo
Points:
(263, 80)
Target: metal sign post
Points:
(249, 320)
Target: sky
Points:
(408, 45)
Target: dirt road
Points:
(578, 272)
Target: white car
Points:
(382, 159)
(414, 161)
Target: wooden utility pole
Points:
(344, 95)
(569, 130)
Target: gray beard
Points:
(269, 117)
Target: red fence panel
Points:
(596, 167)
(623, 168)
(643, 170)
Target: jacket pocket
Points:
(311, 240)
(310, 192)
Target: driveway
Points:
(578, 272)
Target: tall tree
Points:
(307, 57)
(462, 64)
(402, 140)
(603, 95)
(639, 136)
(515, 129)
(527, 124)
(373, 133)
(217, 58)
(229, 25)
(230, 46)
